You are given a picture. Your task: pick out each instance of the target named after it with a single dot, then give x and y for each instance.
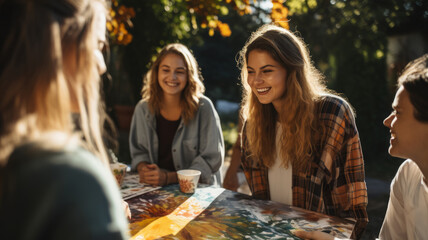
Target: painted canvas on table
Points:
(132, 187)
(215, 213)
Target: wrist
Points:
(166, 178)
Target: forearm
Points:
(171, 177)
(235, 160)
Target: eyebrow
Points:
(179, 68)
(265, 66)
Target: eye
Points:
(165, 70)
(267, 71)
(250, 71)
(181, 72)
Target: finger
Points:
(141, 174)
(302, 234)
(152, 178)
(151, 174)
(152, 166)
(146, 169)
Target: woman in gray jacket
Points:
(175, 126)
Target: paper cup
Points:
(188, 180)
(119, 171)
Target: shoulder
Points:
(407, 179)
(206, 105)
(408, 170)
(67, 166)
(142, 110)
(334, 104)
(204, 101)
(142, 105)
(70, 180)
(334, 107)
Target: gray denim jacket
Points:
(196, 145)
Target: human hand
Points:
(314, 235)
(151, 174)
(127, 210)
(230, 181)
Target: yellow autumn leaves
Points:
(207, 10)
(119, 23)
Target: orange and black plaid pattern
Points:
(334, 183)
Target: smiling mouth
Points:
(263, 90)
(172, 84)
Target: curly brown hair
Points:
(193, 91)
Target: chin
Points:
(395, 153)
(392, 152)
(264, 102)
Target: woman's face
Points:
(266, 78)
(409, 137)
(172, 74)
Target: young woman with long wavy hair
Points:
(174, 125)
(300, 144)
(55, 180)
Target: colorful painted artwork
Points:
(132, 187)
(216, 213)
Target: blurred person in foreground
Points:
(407, 213)
(300, 144)
(55, 182)
(175, 126)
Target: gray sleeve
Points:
(138, 138)
(211, 146)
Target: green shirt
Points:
(65, 194)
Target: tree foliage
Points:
(193, 14)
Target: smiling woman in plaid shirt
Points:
(300, 144)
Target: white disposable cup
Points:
(119, 171)
(188, 180)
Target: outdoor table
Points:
(217, 213)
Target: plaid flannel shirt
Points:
(335, 182)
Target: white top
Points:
(407, 213)
(280, 178)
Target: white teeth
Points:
(262, 90)
(171, 84)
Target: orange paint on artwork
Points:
(177, 220)
(172, 223)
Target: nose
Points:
(258, 79)
(99, 59)
(388, 120)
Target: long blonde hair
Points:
(301, 128)
(47, 64)
(193, 91)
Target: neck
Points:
(423, 166)
(171, 107)
(171, 101)
(277, 106)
